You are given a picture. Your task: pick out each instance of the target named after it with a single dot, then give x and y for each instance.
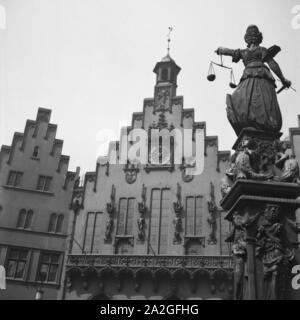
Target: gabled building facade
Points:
(153, 231)
(35, 193)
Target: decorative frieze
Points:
(139, 261)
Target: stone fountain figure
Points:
(262, 184)
(254, 102)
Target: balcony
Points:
(172, 263)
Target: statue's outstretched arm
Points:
(224, 51)
(274, 66)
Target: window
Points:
(48, 267)
(56, 223)
(193, 221)
(59, 224)
(44, 183)
(159, 221)
(52, 223)
(25, 219)
(35, 153)
(125, 216)
(172, 75)
(16, 263)
(14, 178)
(164, 74)
(161, 150)
(92, 233)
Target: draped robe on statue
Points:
(254, 102)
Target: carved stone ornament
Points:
(184, 168)
(262, 228)
(104, 163)
(213, 213)
(160, 124)
(186, 177)
(178, 207)
(142, 205)
(263, 160)
(131, 172)
(177, 228)
(163, 99)
(141, 223)
(109, 228)
(110, 208)
(239, 251)
(274, 253)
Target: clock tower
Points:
(166, 72)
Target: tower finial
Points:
(169, 38)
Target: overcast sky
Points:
(91, 62)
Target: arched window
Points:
(52, 222)
(59, 224)
(56, 223)
(25, 219)
(28, 220)
(21, 219)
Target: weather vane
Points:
(169, 39)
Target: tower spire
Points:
(169, 39)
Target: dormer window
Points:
(35, 152)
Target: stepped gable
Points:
(41, 126)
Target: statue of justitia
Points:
(254, 102)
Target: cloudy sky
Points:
(91, 62)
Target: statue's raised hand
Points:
(286, 83)
(219, 51)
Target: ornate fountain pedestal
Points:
(260, 198)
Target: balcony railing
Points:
(148, 261)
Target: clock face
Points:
(155, 156)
